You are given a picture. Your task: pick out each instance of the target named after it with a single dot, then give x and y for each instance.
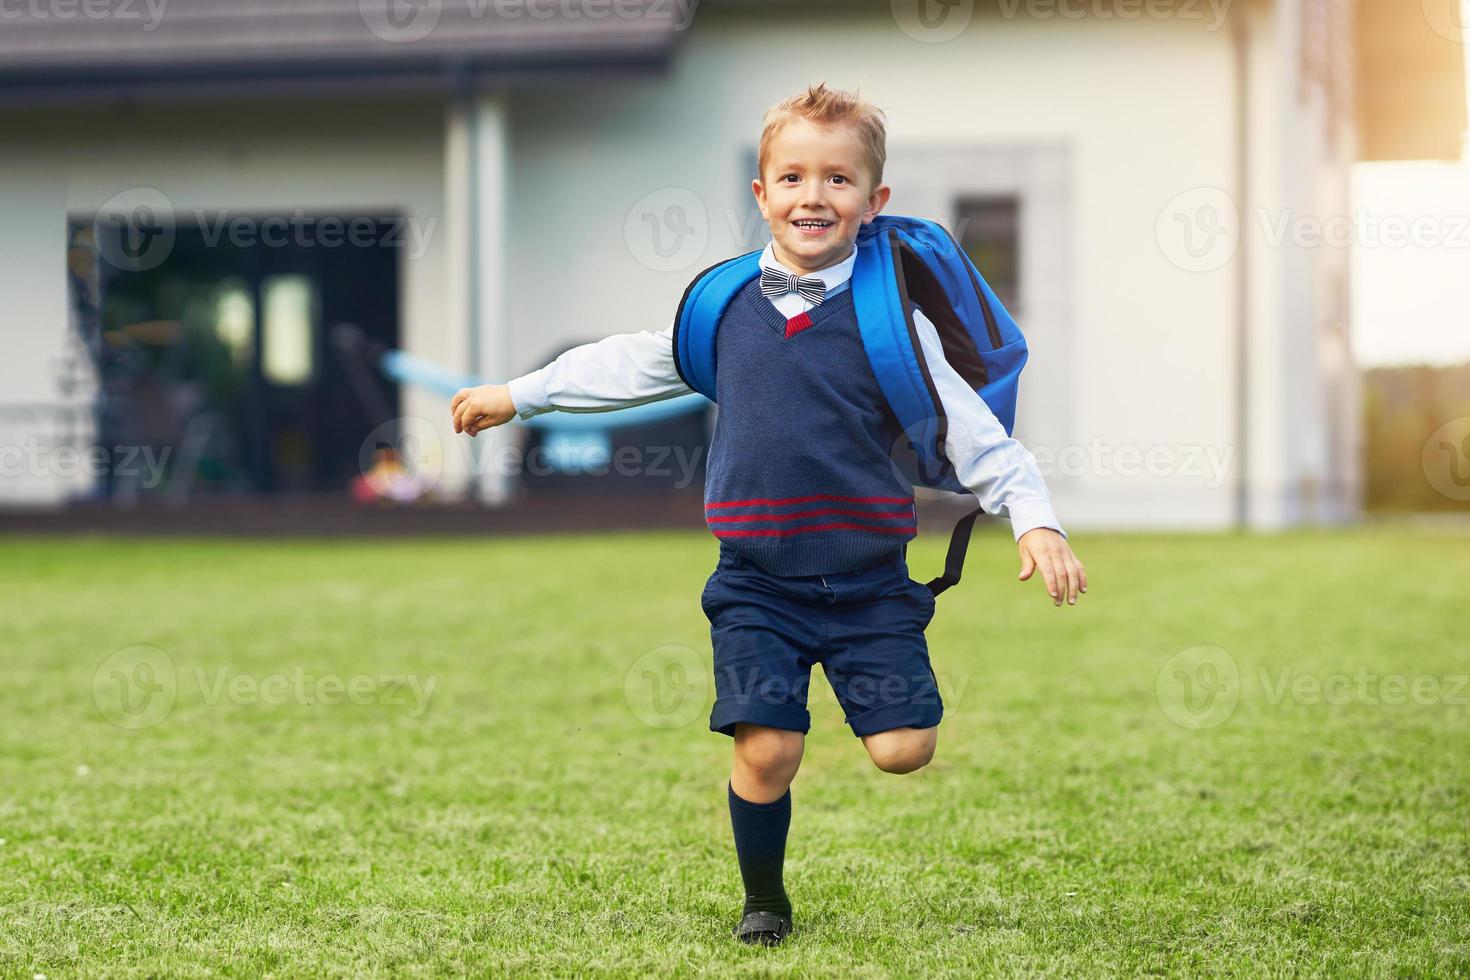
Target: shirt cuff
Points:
(528, 394)
(1027, 515)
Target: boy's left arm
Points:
(1002, 474)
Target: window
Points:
(289, 304)
(988, 229)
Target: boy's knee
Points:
(902, 750)
(768, 752)
(902, 762)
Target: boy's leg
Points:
(877, 661)
(764, 635)
(901, 750)
(766, 759)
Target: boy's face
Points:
(816, 193)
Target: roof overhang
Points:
(116, 48)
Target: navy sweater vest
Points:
(799, 478)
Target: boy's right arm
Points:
(620, 371)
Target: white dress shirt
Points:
(636, 368)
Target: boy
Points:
(812, 517)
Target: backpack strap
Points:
(886, 324)
(954, 560)
(887, 280)
(699, 315)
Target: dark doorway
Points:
(218, 355)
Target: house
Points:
(485, 182)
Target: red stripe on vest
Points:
(797, 324)
(787, 532)
(781, 501)
(885, 515)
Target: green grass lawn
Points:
(1106, 798)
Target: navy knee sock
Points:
(760, 844)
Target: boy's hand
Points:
(1043, 548)
(477, 409)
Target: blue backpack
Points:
(901, 262)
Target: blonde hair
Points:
(829, 107)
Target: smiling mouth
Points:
(813, 224)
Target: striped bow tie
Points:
(775, 282)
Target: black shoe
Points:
(766, 928)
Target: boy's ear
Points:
(759, 190)
(876, 202)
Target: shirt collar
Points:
(832, 276)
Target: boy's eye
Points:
(839, 177)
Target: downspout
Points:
(1240, 39)
(464, 93)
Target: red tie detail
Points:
(797, 324)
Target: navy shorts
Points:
(866, 629)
